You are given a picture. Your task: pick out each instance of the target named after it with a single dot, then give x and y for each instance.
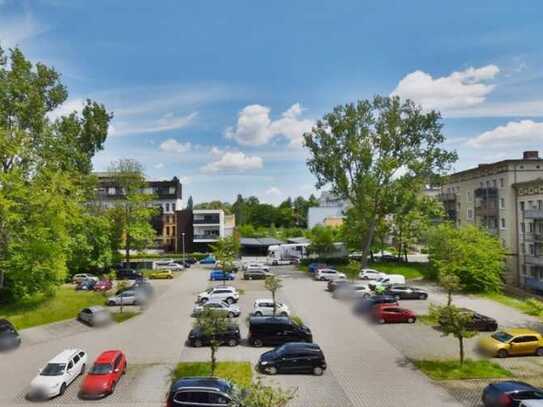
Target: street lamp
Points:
(183, 237)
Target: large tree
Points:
(371, 152)
(44, 173)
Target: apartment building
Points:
(487, 196)
(167, 199)
(199, 228)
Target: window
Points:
(172, 190)
(488, 184)
(530, 204)
(167, 231)
(494, 183)
(167, 207)
(521, 205)
(531, 227)
(111, 191)
(539, 204)
(503, 223)
(470, 197)
(173, 207)
(531, 249)
(501, 182)
(523, 248)
(70, 365)
(76, 359)
(502, 203)
(522, 227)
(470, 213)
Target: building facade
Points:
(331, 211)
(199, 228)
(486, 196)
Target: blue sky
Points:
(218, 93)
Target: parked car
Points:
(256, 266)
(228, 294)
(531, 403)
(231, 337)
(58, 374)
(190, 260)
(220, 275)
(208, 260)
(293, 357)
(94, 316)
(86, 285)
(328, 274)
(201, 392)
(128, 297)
(256, 274)
(276, 331)
(479, 322)
(144, 286)
(103, 285)
(107, 370)
(337, 283)
(386, 258)
(168, 265)
(313, 267)
(370, 274)
(217, 305)
(9, 337)
(77, 278)
(387, 280)
(513, 342)
(129, 274)
(161, 275)
(366, 304)
(403, 292)
(348, 291)
(510, 393)
(264, 307)
(387, 313)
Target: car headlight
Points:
(263, 363)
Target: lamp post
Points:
(183, 241)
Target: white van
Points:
(387, 280)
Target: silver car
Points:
(222, 306)
(128, 297)
(95, 316)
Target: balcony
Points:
(533, 237)
(447, 196)
(205, 238)
(534, 260)
(206, 219)
(533, 214)
(486, 193)
(488, 211)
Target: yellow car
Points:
(513, 342)
(160, 275)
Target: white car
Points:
(128, 297)
(228, 294)
(328, 274)
(264, 307)
(77, 278)
(59, 372)
(370, 274)
(352, 291)
(168, 265)
(387, 280)
(217, 305)
(256, 266)
(531, 403)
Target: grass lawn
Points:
(123, 316)
(410, 271)
(523, 306)
(427, 320)
(40, 310)
(471, 369)
(240, 373)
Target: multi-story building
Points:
(167, 198)
(486, 196)
(330, 211)
(199, 228)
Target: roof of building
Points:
(259, 242)
(298, 240)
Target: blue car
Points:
(220, 275)
(313, 267)
(208, 260)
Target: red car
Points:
(384, 313)
(106, 372)
(103, 285)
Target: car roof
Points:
(107, 356)
(512, 386)
(65, 356)
(97, 308)
(202, 382)
(302, 346)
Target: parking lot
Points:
(368, 365)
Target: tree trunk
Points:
(366, 245)
(213, 358)
(274, 306)
(405, 253)
(461, 343)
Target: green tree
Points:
(273, 283)
(322, 240)
(261, 395)
(373, 151)
(352, 270)
(212, 323)
(476, 257)
(454, 321)
(451, 284)
(226, 251)
(132, 214)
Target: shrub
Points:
(534, 307)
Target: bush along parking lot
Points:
(454, 370)
(530, 306)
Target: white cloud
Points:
(255, 127)
(459, 90)
(169, 121)
(274, 191)
(173, 146)
(158, 166)
(68, 107)
(231, 161)
(522, 133)
(16, 30)
(185, 180)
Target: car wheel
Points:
(381, 321)
(257, 343)
(112, 390)
(410, 320)
(317, 371)
(539, 352)
(283, 314)
(197, 343)
(231, 315)
(423, 296)
(111, 303)
(203, 300)
(62, 389)
(258, 313)
(502, 353)
(397, 297)
(125, 367)
(271, 370)
(230, 300)
(232, 342)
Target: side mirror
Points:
(117, 370)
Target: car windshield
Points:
(502, 336)
(101, 368)
(53, 369)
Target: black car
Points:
(231, 337)
(293, 357)
(333, 285)
(510, 394)
(389, 258)
(201, 392)
(478, 322)
(365, 305)
(9, 337)
(255, 274)
(403, 292)
(276, 331)
(129, 274)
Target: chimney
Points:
(530, 155)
